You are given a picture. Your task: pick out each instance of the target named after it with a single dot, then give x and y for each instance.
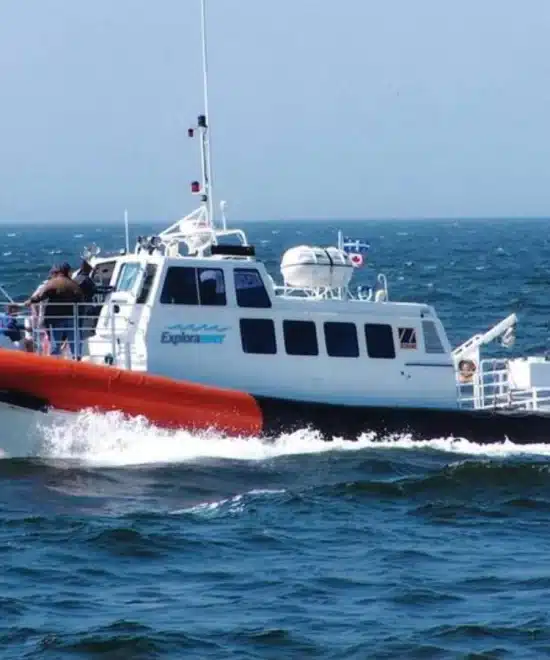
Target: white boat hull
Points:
(24, 431)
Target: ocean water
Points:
(124, 541)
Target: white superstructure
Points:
(218, 319)
(194, 303)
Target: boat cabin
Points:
(219, 319)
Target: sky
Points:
(318, 108)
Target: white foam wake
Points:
(232, 505)
(110, 439)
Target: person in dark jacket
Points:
(60, 293)
(84, 280)
(85, 312)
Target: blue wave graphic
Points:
(193, 327)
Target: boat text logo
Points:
(193, 333)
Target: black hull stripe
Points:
(23, 400)
(350, 422)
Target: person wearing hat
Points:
(60, 295)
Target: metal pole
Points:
(127, 231)
(206, 112)
(9, 298)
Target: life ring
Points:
(466, 369)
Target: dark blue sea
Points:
(122, 541)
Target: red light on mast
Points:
(190, 132)
(195, 187)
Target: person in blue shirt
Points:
(8, 324)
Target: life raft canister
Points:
(467, 369)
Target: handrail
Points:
(361, 293)
(77, 333)
(492, 389)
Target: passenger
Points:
(59, 317)
(37, 309)
(85, 312)
(35, 334)
(9, 329)
(83, 278)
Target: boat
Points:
(190, 330)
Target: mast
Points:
(204, 189)
(205, 142)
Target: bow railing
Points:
(104, 333)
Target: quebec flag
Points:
(357, 249)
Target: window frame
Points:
(378, 354)
(429, 322)
(294, 323)
(243, 322)
(222, 295)
(197, 270)
(241, 270)
(147, 283)
(121, 273)
(334, 354)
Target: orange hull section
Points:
(73, 386)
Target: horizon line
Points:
(323, 219)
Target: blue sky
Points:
(347, 109)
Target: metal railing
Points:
(362, 293)
(105, 332)
(490, 388)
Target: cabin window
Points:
(341, 339)
(379, 338)
(180, 287)
(432, 342)
(127, 276)
(258, 336)
(150, 272)
(407, 338)
(211, 286)
(193, 286)
(250, 290)
(300, 338)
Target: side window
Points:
(150, 272)
(211, 286)
(258, 336)
(127, 276)
(341, 339)
(249, 289)
(379, 338)
(432, 342)
(300, 338)
(193, 286)
(180, 287)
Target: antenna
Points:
(204, 190)
(127, 231)
(206, 137)
(223, 205)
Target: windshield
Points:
(127, 277)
